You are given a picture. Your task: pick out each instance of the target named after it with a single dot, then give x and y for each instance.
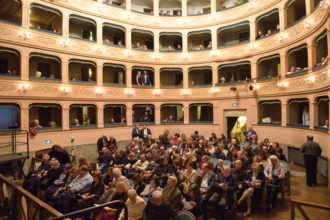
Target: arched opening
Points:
(198, 7)
(201, 113)
(114, 115)
(227, 4)
(199, 40)
(142, 76)
(11, 11)
(321, 43)
(170, 7)
(170, 42)
(9, 62)
(171, 113)
(42, 66)
(113, 35)
(143, 6)
(322, 111)
(295, 11)
(200, 76)
(82, 71)
(49, 115)
(45, 18)
(10, 116)
(269, 67)
(297, 60)
(171, 77)
(143, 114)
(268, 24)
(234, 34)
(299, 112)
(234, 72)
(269, 112)
(114, 74)
(82, 28)
(83, 115)
(142, 40)
(116, 3)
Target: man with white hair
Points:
(172, 193)
(117, 177)
(135, 206)
(158, 209)
(274, 172)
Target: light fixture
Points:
(156, 91)
(214, 90)
(185, 92)
(257, 86)
(99, 90)
(310, 79)
(128, 52)
(185, 56)
(24, 86)
(215, 53)
(127, 15)
(253, 46)
(25, 35)
(156, 55)
(99, 49)
(283, 84)
(307, 24)
(65, 43)
(253, 4)
(65, 89)
(129, 91)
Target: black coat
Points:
(136, 133)
(102, 143)
(162, 212)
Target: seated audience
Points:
(172, 193)
(196, 203)
(206, 179)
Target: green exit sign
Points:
(234, 105)
(48, 141)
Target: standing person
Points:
(136, 132)
(311, 151)
(139, 78)
(146, 79)
(305, 116)
(145, 132)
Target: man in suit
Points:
(102, 142)
(146, 79)
(311, 151)
(221, 193)
(172, 193)
(146, 117)
(206, 179)
(164, 139)
(136, 132)
(145, 132)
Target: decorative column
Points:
(214, 36)
(99, 34)
(129, 76)
(284, 113)
(215, 78)
(128, 5)
(328, 39)
(186, 113)
(128, 41)
(311, 54)
(254, 69)
(129, 112)
(309, 6)
(156, 42)
(255, 111)
(157, 77)
(283, 18)
(66, 118)
(100, 117)
(65, 71)
(284, 65)
(99, 74)
(329, 132)
(316, 114)
(25, 66)
(156, 7)
(157, 114)
(185, 77)
(65, 25)
(311, 115)
(184, 7)
(25, 14)
(24, 118)
(253, 30)
(216, 113)
(213, 6)
(184, 42)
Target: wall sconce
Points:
(253, 4)
(215, 53)
(128, 15)
(128, 53)
(25, 35)
(99, 49)
(281, 37)
(65, 89)
(24, 86)
(185, 20)
(99, 91)
(65, 43)
(129, 91)
(283, 84)
(185, 92)
(310, 79)
(253, 46)
(214, 90)
(307, 24)
(156, 55)
(156, 91)
(185, 56)
(156, 20)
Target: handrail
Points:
(298, 204)
(36, 208)
(90, 209)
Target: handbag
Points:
(108, 215)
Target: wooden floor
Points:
(299, 190)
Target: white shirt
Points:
(305, 117)
(204, 181)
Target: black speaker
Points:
(251, 87)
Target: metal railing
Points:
(89, 210)
(298, 204)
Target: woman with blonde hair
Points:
(139, 78)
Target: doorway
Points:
(235, 122)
